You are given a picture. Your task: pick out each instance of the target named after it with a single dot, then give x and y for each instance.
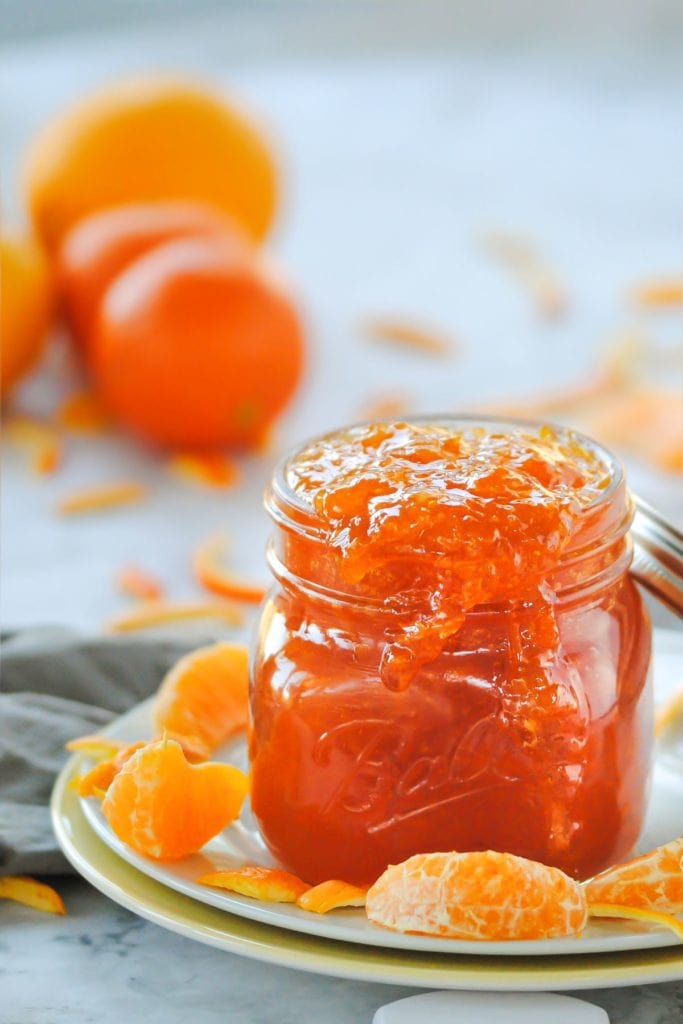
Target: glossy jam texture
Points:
(433, 522)
(456, 658)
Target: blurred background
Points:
(434, 206)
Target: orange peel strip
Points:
(31, 893)
(206, 563)
(331, 895)
(82, 413)
(97, 747)
(636, 914)
(407, 335)
(136, 582)
(271, 885)
(519, 255)
(669, 712)
(42, 440)
(157, 613)
(659, 293)
(385, 407)
(213, 469)
(95, 499)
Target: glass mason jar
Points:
(349, 775)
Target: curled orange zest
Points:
(139, 584)
(82, 413)
(669, 712)
(157, 613)
(656, 294)
(96, 747)
(331, 895)
(42, 440)
(206, 563)
(520, 256)
(270, 885)
(213, 469)
(96, 498)
(643, 914)
(31, 893)
(408, 335)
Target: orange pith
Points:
(205, 695)
(653, 881)
(166, 808)
(482, 896)
(267, 884)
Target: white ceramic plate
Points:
(241, 843)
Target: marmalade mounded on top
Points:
(454, 656)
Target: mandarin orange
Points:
(197, 347)
(25, 310)
(145, 139)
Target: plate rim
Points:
(156, 902)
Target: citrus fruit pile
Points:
(148, 200)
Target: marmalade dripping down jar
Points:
(453, 655)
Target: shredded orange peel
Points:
(644, 914)
(521, 257)
(320, 899)
(99, 748)
(406, 334)
(659, 293)
(207, 563)
(31, 893)
(42, 440)
(95, 499)
(157, 613)
(271, 885)
(212, 469)
(135, 582)
(669, 712)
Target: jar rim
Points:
(280, 499)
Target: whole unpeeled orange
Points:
(26, 304)
(197, 346)
(147, 139)
(100, 246)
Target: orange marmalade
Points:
(453, 656)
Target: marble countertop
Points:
(104, 965)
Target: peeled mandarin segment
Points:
(656, 917)
(97, 747)
(210, 573)
(212, 469)
(653, 881)
(157, 613)
(331, 895)
(31, 893)
(483, 896)
(270, 885)
(205, 695)
(97, 498)
(139, 584)
(166, 808)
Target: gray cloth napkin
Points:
(55, 685)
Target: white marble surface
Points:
(401, 144)
(103, 965)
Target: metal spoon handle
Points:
(657, 555)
